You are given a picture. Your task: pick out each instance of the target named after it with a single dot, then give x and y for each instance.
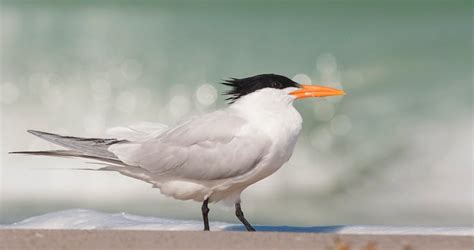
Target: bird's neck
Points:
(272, 112)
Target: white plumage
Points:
(216, 155)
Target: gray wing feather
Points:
(91, 146)
(68, 153)
(213, 146)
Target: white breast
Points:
(269, 111)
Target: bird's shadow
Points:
(319, 229)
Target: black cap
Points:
(244, 86)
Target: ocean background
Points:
(396, 150)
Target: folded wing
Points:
(217, 145)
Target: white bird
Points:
(207, 158)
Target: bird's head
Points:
(245, 86)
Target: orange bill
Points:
(306, 91)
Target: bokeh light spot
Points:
(302, 79)
(327, 68)
(206, 94)
(178, 106)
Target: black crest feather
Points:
(244, 86)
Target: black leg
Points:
(205, 211)
(240, 215)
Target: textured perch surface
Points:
(139, 239)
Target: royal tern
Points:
(211, 157)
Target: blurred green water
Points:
(397, 149)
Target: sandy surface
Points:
(135, 239)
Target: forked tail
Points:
(90, 148)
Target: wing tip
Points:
(28, 152)
(35, 132)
